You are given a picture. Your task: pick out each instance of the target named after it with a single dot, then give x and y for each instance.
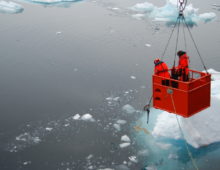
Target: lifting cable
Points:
(177, 40)
(184, 36)
(181, 5)
(168, 42)
(194, 42)
(182, 134)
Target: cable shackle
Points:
(182, 6)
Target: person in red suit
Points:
(183, 67)
(161, 69)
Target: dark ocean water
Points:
(56, 62)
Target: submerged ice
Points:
(169, 12)
(199, 130)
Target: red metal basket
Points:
(182, 98)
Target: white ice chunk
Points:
(58, 32)
(133, 159)
(199, 130)
(10, 7)
(76, 117)
(148, 45)
(115, 8)
(48, 129)
(138, 16)
(26, 162)
(66, 125)
(121, 122)
(112, 98)
(125, 138)
(128, 108)
(89, 157)
(133, 77)
(124, 145)
(87, 117)
(117, 126)
(168, 13)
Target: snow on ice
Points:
(10, 7)
(199, 130)
(168, 13)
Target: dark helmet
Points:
(180, 53)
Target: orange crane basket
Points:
(182, 98)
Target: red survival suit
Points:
(161, 69)
(183, 67)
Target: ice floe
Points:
(199, 130)
(169, 12)
(10, 7)
(121, 122)
(51, 2)
(148, 45)
(76, 117)
(125, 138)
(124, 145)
(128, 109)
(48, 129)
(133, 77)
(117, 126)
(87, 117)
(26, 137)
(133, 159)
(26, 162)
(58, 32)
